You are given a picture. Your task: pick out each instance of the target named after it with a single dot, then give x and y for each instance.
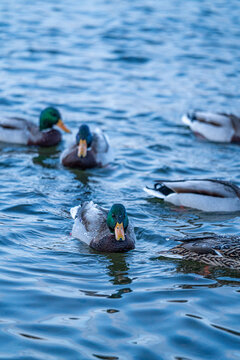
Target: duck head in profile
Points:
(50, 117)
(117, 221)
(84, 140)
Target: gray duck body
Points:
(91, 227)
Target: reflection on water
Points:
(132, 69)
(118, 269)
(81, 176)
(47, 157)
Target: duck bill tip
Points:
(82, 148)
(119, 232)
(62, 126)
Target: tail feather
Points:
(188, 118)
(160, 191)
(162, 188)
(74, 211)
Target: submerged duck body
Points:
(90, 150)
(23, 132)
(213, 250)
(216, 127)
(102, 230)
(206, 195)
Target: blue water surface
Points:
(132, 68)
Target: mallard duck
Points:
(214, 250)
(217, 127)
(89, 150)
(20, 131)
(206, 195)
(102, 230)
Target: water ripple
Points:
(131, 68)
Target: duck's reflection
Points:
(221, 275)
(116, 295)
(80, 175)
(47, 157)
(50, 158)
(117, 269)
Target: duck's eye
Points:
(113, 216)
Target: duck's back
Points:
(90, 221)
(14, 131)
(228, 245)
(204, 194)
(101, 148)
(213, 250)
(217, 127)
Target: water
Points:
(132, 68)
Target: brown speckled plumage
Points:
(223, 251)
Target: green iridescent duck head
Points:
(50, 117)
(117, 221)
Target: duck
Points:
(88, 151)
(23, 132)
(215, 250)
(104, 231)
(216, 127)
(208, 195)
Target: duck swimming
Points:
(89, 150)
(20, 131)
(213, 250)
(206, 195)
(217, 127)
(102, 230)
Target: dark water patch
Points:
(5, 102)
(130, 59)
(32, 50)
(31, 336)
(104, 357)
(132, 69)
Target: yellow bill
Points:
(119, 232)
(62, 126)
(82, 148)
